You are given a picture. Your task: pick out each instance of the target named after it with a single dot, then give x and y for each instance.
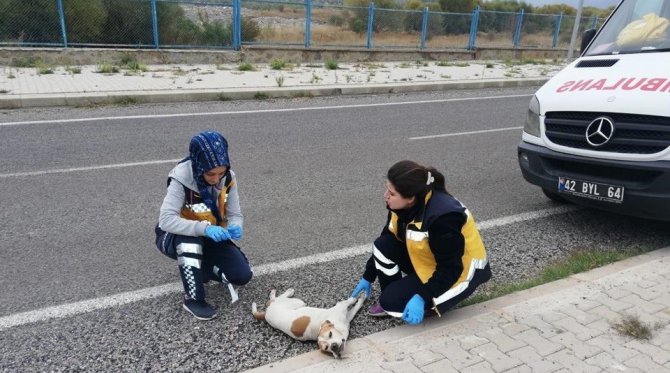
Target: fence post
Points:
(557, 30)
(371, 18)
(308, 23)
(61, 14)
(594, 22)
(424, 27)
(236, 25)
(517, 32)
(154, 20)
(474, 25)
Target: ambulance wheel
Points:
(554, 196)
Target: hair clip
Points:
(430, 179)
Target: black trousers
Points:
(397, 289)
(218, 261)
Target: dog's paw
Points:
(289, 292)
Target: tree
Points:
(85, 20)
(30, 21)
(457, 6)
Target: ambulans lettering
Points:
(630, 85)
(624, 84)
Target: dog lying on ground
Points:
(328, 326)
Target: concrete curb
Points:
(375, 342)
(137, 97)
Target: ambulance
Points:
(597, 134)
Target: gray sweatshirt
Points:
(170, 220)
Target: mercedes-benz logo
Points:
(600, 131)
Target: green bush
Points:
(85, 20)
(249, 29)
(29, 21)
(246, 66)
(331, 65)
(31, 61)
(277, 64)
(336, 20)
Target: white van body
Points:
(598, 132)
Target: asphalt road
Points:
(81, 189)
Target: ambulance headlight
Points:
(532, 125)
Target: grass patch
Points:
(222, 97)
(277, 64)
(73, 70)
(302, 95)
(454, 64)
(246, 66)
(136, 66)
(124, 101)
(631, 326)
(373, 66)
(261, 96)
(577, 262)
(330, 65)
(26, 62)
(279, 80)
(129, 61)
(45, 70)
(525, 61)
(106, 68)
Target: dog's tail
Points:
(258, 315)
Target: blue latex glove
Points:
(235, 231)
(216, 233)
(413, 313)
(363, 285)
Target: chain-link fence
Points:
(228, 24)
(448, 30)
(273, 23)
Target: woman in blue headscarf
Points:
(199, 218)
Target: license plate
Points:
(592, 190)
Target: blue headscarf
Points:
(207, 150)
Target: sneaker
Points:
(377, 311)
(200, 309)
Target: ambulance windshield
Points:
(637, 26)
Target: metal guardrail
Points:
(229, 24)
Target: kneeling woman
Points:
(199, 217)
(431, 238)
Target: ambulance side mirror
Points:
(586, 39)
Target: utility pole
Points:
(575, 29)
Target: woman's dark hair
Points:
(411, 179)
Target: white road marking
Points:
(89, 168)
(465, 133)
(116, 300)
(203, 114)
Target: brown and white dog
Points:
(328, 326)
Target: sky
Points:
(595, 3)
